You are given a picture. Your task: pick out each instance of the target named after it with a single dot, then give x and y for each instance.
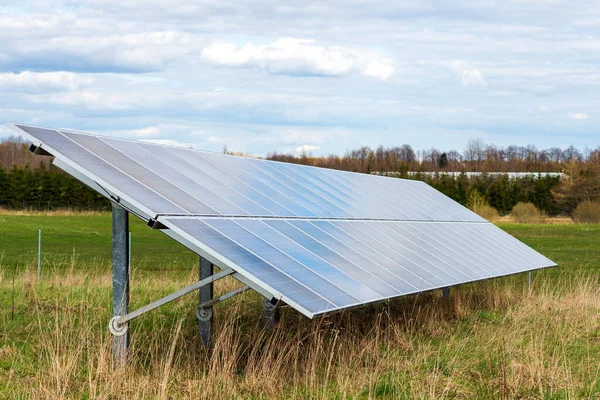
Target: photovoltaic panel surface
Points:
(324, 265)
(318, 239)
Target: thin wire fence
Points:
(47, 251)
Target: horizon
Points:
(421, 156)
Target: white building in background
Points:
(511, 175)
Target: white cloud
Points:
(292, 56)
(468, 76)
(91, 45)
(90, 99)
(54, 80)
(580, 116)
(307, 148)
(381, 69)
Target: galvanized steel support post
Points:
(272, 315)
(205, 295)
(129, 252)
(446, 292)
(120, 264)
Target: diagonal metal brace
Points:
(204, 312)
(118, 324)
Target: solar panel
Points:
(321, 240)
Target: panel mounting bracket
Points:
(155, 224)
(37, 150)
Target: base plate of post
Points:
(117, 328)
(204, 314)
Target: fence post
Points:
(39, 253)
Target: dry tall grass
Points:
(54, 212)
(488, 340)
(587, 212)
(477, 203)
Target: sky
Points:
(318, 76)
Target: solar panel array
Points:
(318, 239)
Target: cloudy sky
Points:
(325, 76)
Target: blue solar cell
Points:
(270, 253)
(411, 267)
(254, 265)
(255, 202)
(310, 260)
(360, 274)
(234, 167)
(140, 173)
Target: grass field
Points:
(489, 340)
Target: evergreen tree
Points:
(443, 161)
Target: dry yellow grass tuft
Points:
(527, 213)
(480, 206)
(587, 212)
(55, 212)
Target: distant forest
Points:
(32, 182)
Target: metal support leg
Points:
(120, 263)
(205, 295)
(271, 314)
(446, 292)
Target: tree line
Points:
(32, 182)
(551, 195)
(477, 156)
(46, 188)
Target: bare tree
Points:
(407, 153)
(474, 151)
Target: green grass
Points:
(490, 340)
(85, 240)
(574, 247)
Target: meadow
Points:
(493, 339)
